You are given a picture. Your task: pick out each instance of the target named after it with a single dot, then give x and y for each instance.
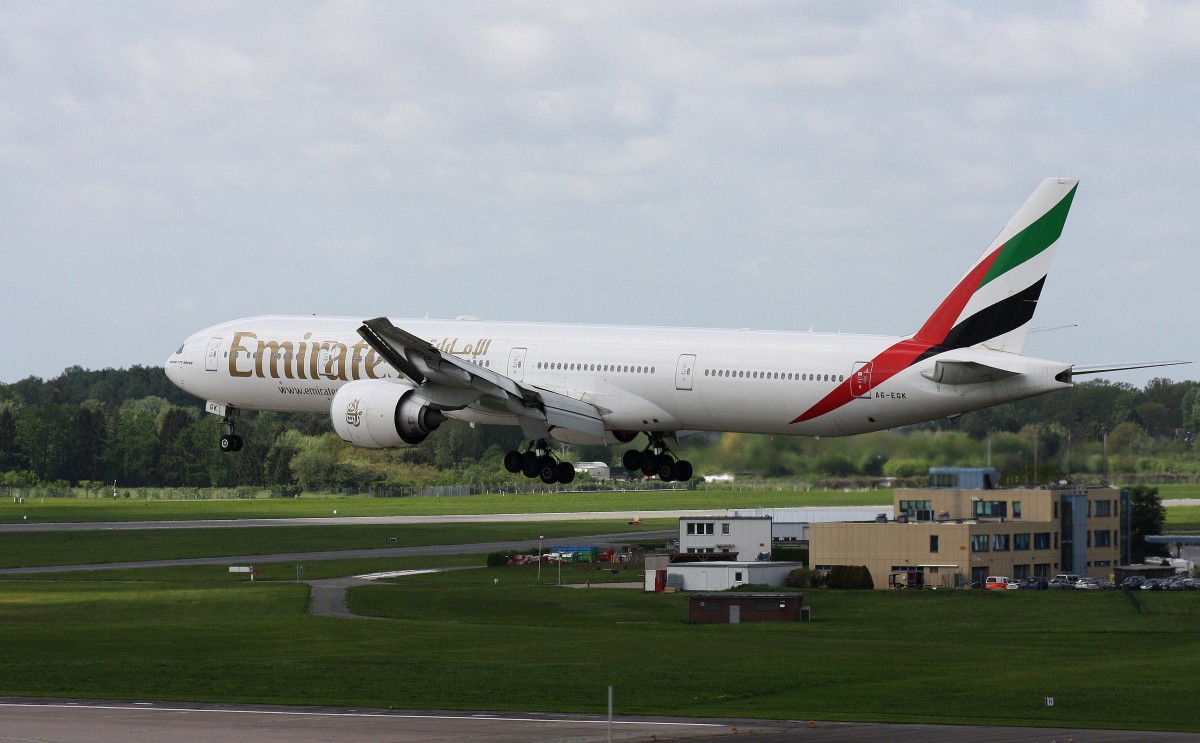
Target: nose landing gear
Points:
(230, 441)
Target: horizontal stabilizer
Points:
(1101, 368)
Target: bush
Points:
(798, 578)
(852, 577)
(497, 559)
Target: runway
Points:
(67, 721)
(446, 549)
(487, 518)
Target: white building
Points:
(745, 537)
(791, 524)
(721, 576)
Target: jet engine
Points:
(379, 414)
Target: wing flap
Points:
(452, 382)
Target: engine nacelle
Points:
(377, 414)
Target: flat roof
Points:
(1191, 539)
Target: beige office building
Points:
(951, 537)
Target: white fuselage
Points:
(640, 378)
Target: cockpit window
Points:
(180, 349)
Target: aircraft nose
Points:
(175, 366)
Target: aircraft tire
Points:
(649, 462)
(632, 460)
(231, 443)
(683, 470)
(530, 465)
(665, 469)
(566, 472)
(513, 461)
(548, 470)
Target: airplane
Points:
(391, 383)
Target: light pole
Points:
(540, 538)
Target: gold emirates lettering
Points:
(277, 359)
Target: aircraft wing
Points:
(452, 383)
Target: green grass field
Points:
(48, 510)
(462, 641)
(496, 639)
(629, 503)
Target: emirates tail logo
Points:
(354, 413)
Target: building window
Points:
(737, 576)
(1103, 508)
(1041, 540)
(1055, 509)
(912, 506)
(991, 509)
(1000, 543)
(933, 542)
(1016, 509)
(1021, 541)
(694, 528)
(1020, 571)
(979, 543)
(1102, 538)
(1042, 569)
(724, 528)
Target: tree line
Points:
(134, 427)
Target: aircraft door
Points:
(212, 354)
(516, 364)
(860, 378)
(683, 372)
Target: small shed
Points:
(735, 608)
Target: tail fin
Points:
(992, 305)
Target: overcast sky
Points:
(168, 166)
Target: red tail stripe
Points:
(941, 322)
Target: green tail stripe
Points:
(1032, 240)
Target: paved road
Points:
(445, 549)
(144, 722)
(486, 518)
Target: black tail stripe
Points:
(992, 321)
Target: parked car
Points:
(1059, 581)
(1152, 584)
(997, 582)
(1093, 584)
(1035, 583)
(1133, 581)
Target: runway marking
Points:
(396, 715)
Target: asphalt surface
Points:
(67, 721)
(487, 518)
(445, 549)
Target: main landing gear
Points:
(657, 460)
(536, 461)
(230, 441)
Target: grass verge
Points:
(464, 641)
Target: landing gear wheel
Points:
(665, 468)
(649, 464)
(566, 472)
(231, 443)
(683, 470)
(548, 470)
(530, 464)
(632, 460)
(513, 461)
